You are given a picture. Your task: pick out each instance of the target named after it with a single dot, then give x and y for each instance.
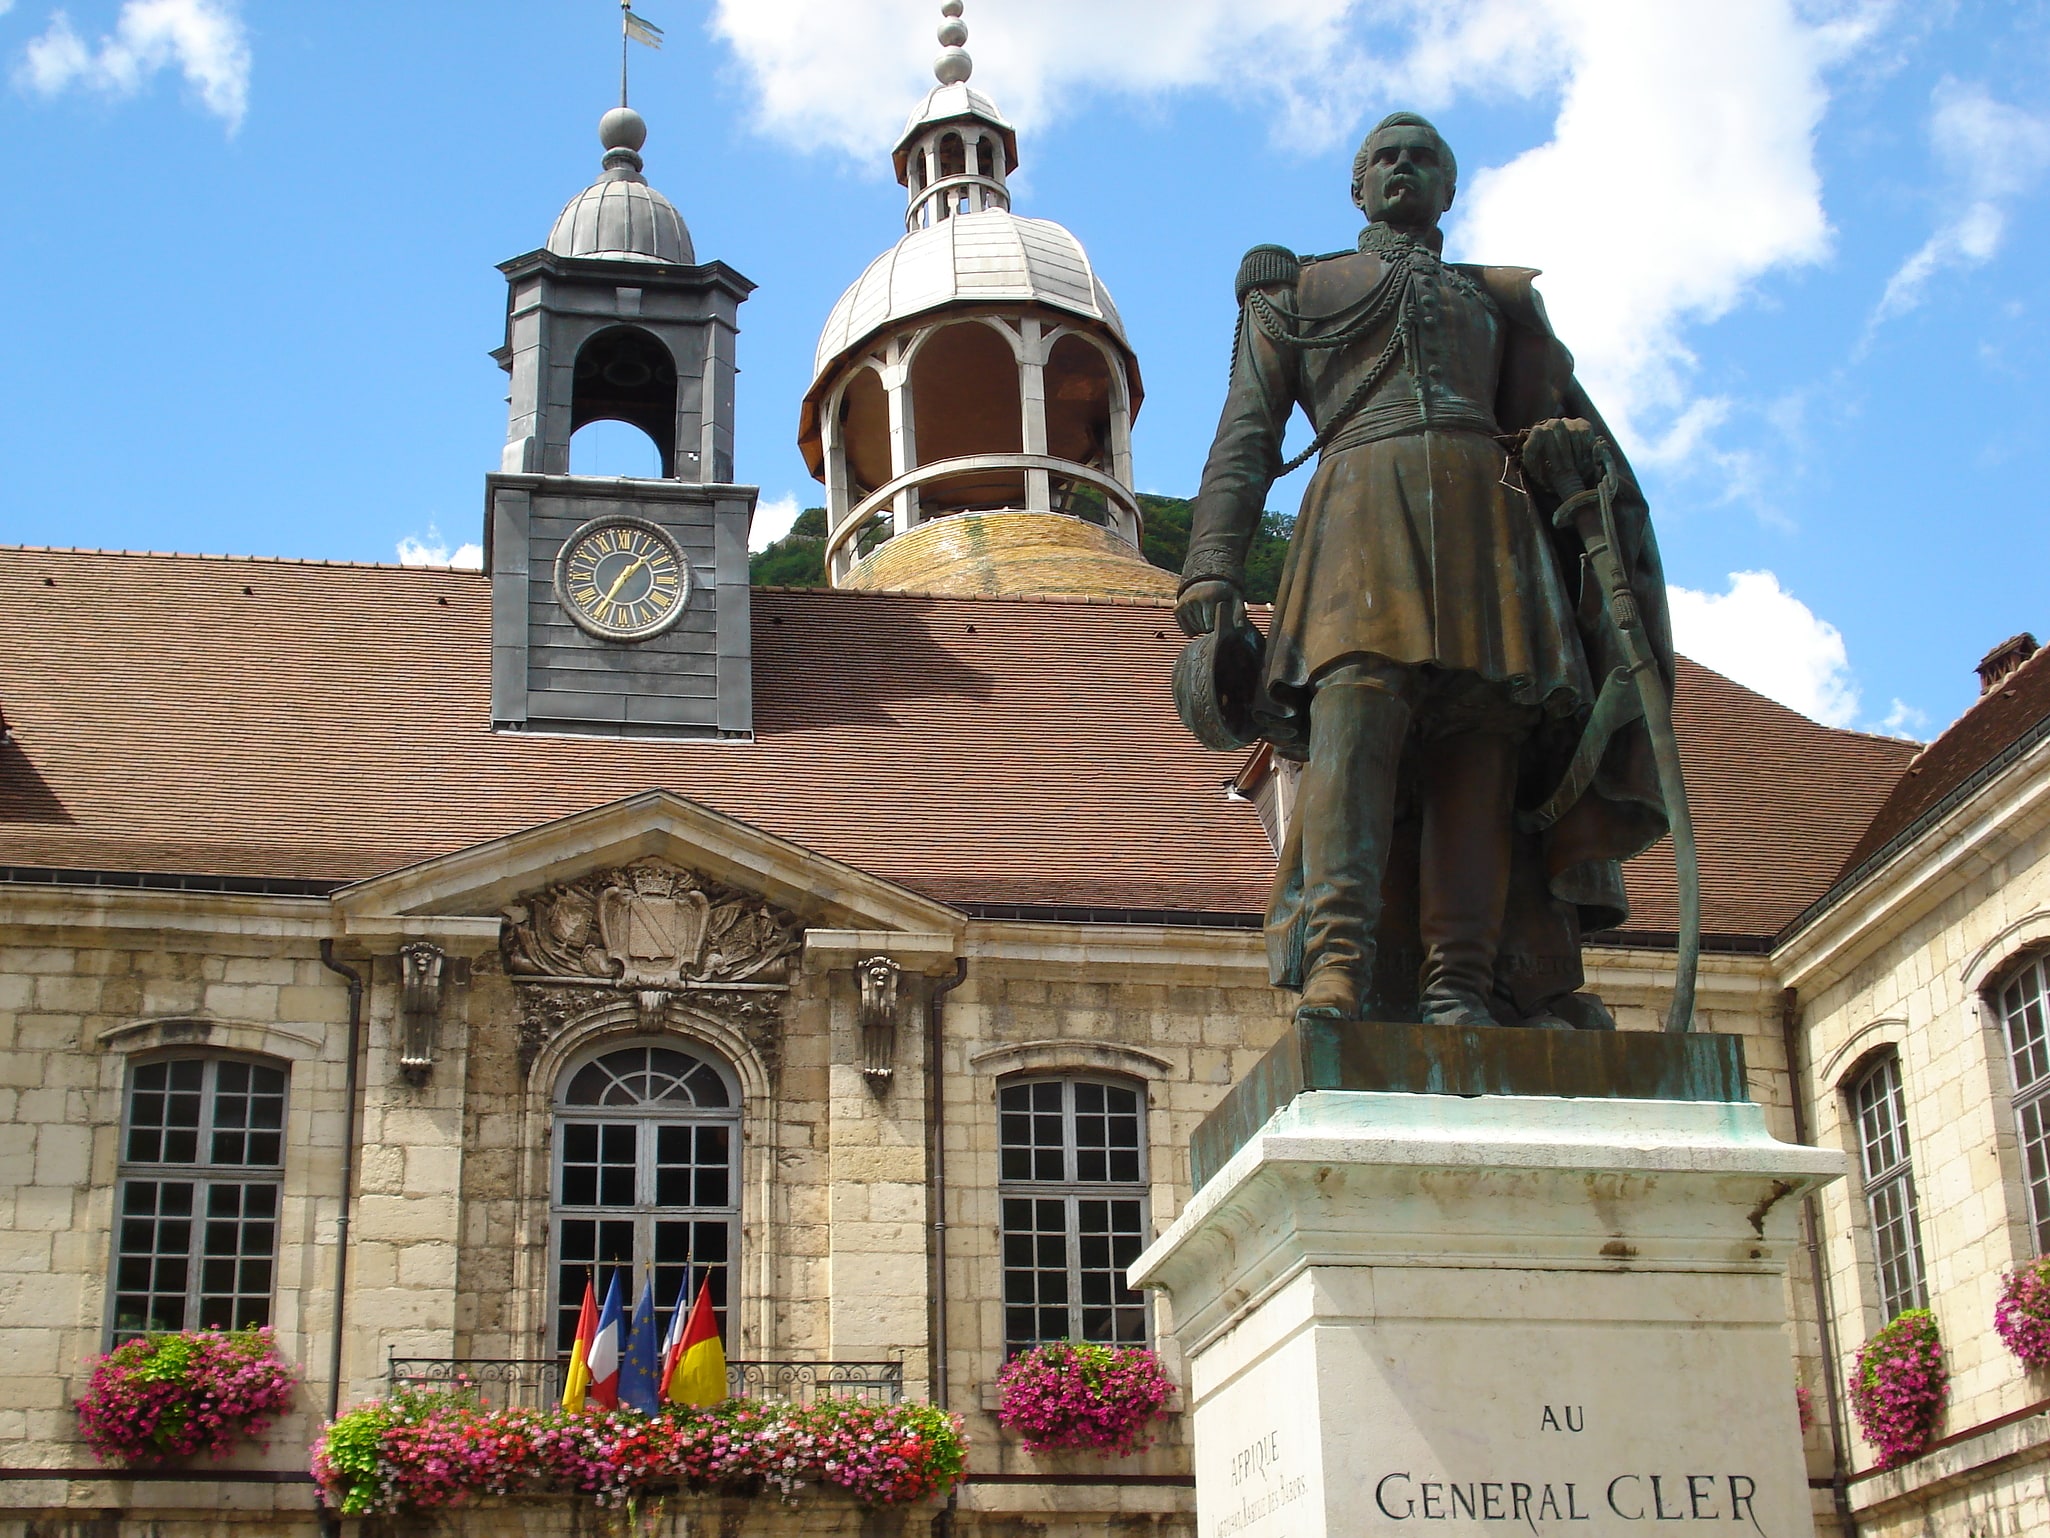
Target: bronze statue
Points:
(1469, 653)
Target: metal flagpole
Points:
(625, 10)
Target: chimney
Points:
(2004, 659)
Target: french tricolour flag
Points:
(604, 1358)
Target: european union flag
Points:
(639, 1362)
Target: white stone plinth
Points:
(1421, 1316)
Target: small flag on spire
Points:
(640, 29)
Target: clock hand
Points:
(633, 566)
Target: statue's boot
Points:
(1346, 804)
(1469, 797)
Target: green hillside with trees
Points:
(798, 559)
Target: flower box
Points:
(168, 1396)
(1899, 1386)
(424, 1451)
(1076, 1395)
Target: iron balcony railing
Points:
(536, 1382)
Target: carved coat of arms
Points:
(650, 925)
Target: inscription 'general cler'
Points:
(1718, 1498)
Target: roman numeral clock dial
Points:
(622, 579)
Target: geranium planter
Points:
(421, 1452)
(1899, 1386)
(167, 1396)
(1077, 1396)
(2022, 1316)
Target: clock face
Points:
(622, 579)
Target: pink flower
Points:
(1899, 1386)
(1075, 1394)
(173, 1395)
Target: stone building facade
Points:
(380, 955)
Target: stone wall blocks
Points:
(241, 1001)
(427, 1266)
(64, 1156)
(45, 1208)
(38, 959)
(878, 1164)
(313, 1004)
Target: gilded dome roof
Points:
(981, 258)
(1011, 554)
(619, 216)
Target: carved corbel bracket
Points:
(421, 965)
(878, 977)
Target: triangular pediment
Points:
(656, 831)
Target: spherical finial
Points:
(953, 66)
(622, 129)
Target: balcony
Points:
(536, 1382)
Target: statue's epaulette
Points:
(1265, 266)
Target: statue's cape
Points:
(1624, 812)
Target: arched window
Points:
(647, 1176)
(202, 1159)
(2025, 1014)
(1881, 1111)
(1072, 1189)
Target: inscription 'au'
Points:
(1566, 1417)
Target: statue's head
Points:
(1404, 173)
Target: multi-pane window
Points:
(647, 1179)
(1881, 1110)
(196, 1225)
(2026, 1013)
(1073, 1198)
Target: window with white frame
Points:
(1072, 1192)
(196, 1210)
(1881, 1111)
(647, 1178)
(2025, 1012)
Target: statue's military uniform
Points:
(1421, 569)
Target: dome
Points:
(624, 218)
(951, 104)
(620, 215)
(991, 257)
(1011, 554)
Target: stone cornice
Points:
(1953, 850)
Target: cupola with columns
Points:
(972, 398)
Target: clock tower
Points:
(619, 606)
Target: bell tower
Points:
(620, 605)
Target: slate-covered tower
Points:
(619, 605)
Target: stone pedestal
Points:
(1411, 1315)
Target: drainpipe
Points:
(936, 1124)
(1811, 1236)
(334, 1358)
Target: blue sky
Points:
(1796, 245)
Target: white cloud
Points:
(772, 521)
(1680, 169)
(203, 39)
(1988, 154)
(431, 549)
(843, 73)
(1768, 640)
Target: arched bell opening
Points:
(623, 374)
(966, 401)
(864, 436)
(1087, 424)
(612, 448)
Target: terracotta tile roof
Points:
(292, 720)
(2007, 716)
